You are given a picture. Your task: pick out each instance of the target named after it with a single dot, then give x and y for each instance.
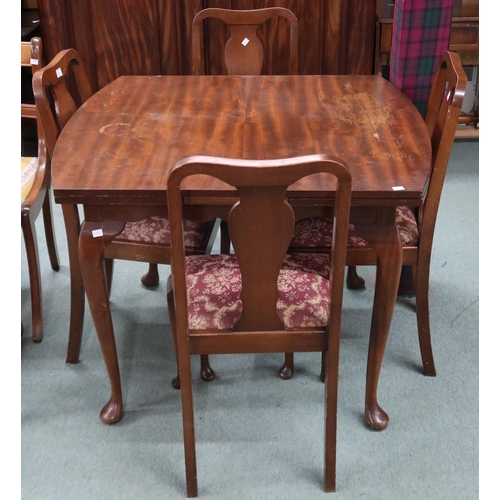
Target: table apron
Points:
(359, 214)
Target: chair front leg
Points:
(353, 280)
(286, 371)
(152, 278)
(206, 372)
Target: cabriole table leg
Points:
(93, 238)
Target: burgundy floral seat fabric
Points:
(214, 287)
(156, 229)
(317, 231)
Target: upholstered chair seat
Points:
(315, 232)
(156, 229)
(214, 288)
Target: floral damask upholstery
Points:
(317, 231)
(156, 229)
(29, 167)
(214, 287)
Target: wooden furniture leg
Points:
(353, 280)
(206, 372)
(184, 383)
(151, 279)
(48, 223)
(421, 274)
(93, 238)
(30, 241)
(385, 238)
(72, 226)
(286, 370)
(109, 265)
(225, 240)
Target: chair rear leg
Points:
(206, 372)
(151, 279)
(225, 241)
(108, 270)
(175, 383)
(322, 375)
(30, 241)
(48, 222)
(421, 278)
(353, 280)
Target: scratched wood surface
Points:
(122, 143)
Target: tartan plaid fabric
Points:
(421, 33)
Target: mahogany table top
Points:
(119, 147)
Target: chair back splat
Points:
(244, 51)
(443, 112)
(244, 54)
(260, 299)
(55, 102)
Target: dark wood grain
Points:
(168, 39)
(238, 25)
(148, 127)
(359, 31)
(137, 37)
(128, 33)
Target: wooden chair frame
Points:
(244, 52)
(261, 186)
(443, 111)
(38, 199)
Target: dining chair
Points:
(36, 197)
(416, 228)
(261, 298)
(60, 88)
(244, 51)
(240, 59)
(243, 55)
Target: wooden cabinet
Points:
(150, 37)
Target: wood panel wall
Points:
(150, 37)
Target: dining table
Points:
(114, 156)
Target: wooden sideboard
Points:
(138, 37)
